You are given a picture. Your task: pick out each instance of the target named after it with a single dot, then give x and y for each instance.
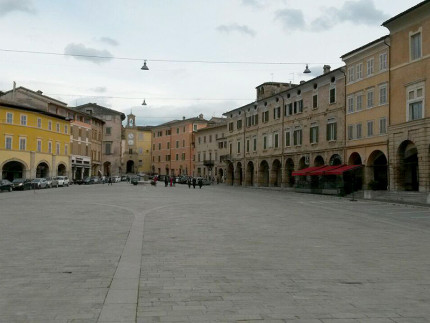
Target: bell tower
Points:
(131, 120)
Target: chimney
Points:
(183, 118)
(39, 92)
(301, 82)
(13, 91)
(326, 69)
(200, 116)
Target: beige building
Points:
(210, 149)
(409, 129)
(111, 137)
(367, 112)
(136, 155)
(289, 127)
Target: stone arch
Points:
(130, 166)
(276, 174)
(230, 173)
(355, 159)
(238, 174)
(14, 168)
(249, 176)
(377, 170)
(264, 173)
(107, 168)
(335, 160)
(289, 169)
(357, 177)
(42, 169)
(61, 169)
(318, 161)
(220, 175)
(407, 168)
(302, 163)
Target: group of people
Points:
(194, 182)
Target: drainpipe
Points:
(389, 113)
(244, 151)
(282, 138)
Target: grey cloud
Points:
(109, 41)
(291, 18)
(357, 12)
(99, 89)
(236, 28)
(88, 54)
(8, 6)
(254, 3)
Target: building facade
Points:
(33, 143)
(210, 147)
(295, 128)
(136, 147)
(367, 112)
(173, 145)
(409, 129)
(112, 136)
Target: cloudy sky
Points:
(204, 56)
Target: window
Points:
(238, 147)
(359, 71)
(22, 143)
(370, 67)
(57, 149)
(351, 74)
(204, 139)
(177, 157)
(159, 146)
(298, 106)
(315, 101)
(313, 136)
(9, 117)
(277, 113)
(198, 157)
(382, 125)
(159, 158)
(50, 147)
(369, 128)
(39, 145)
(276, 140)
(194, 127)
(359, 102)
(66, 130)
(200, 140)
(370, 98)
(39, 123)
(168, 145)
(58, 127)
(108, 131)
(415, 101)
(183, 156)
(265, 116)
(140, 150)
(66, 149)
(415, 45)
(247, 145)
(49, 125)
(383, 62)
(183, 143)
(23, 120)
(210, 138)
(350, 104)
(350, 132)
(287, 138)
(177, 143)
(297, 137)
(289, 109)
(108, 148)
(239, 124)
(358, 130)
(383, 94)
(177, 130)
(331, 129)
(264, 142)
(8, 142)
(153, 146)
(230, 126)
(254, 145)
(333, 95)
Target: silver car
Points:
(52, 182)
(39, 183)
(63, 181)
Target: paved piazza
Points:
(126, 253)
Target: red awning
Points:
(324, 170)
(342, 169)
(305, 171)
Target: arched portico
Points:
(407, 167)
(42, 170)
(238, 174)
(61, 170)
(230, 173)
(263, 172)
(377, 171)
(276, 174)
(249, 176)
(107, 169)
(335, 160)
(13, 169)
(130, 166)
(289, 169)
(318, 161)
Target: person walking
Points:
(189, 182)
(166, 181)
(194, 182)
(200, 183)
(171, 181)
(110, 181)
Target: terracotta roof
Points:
(21, 106)
(35, 92)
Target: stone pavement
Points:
(126, 253)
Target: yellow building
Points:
(367, 112)
(33, 143)
(136, 156)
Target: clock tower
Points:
(131, 120)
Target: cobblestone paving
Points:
(123, 253)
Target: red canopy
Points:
(342, 169)
(305, 171)
(324, 170)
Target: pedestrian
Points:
(189, 182)
(171, 181)
(166, 181)
(174, 180)
(110, 181)
(194, 182)
(200, 183)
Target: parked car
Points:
(63, 181)
(6, 185)
(52, 182)
(96, 179)
(39, 183)
(21, 184)
(134, 180)
(204, 181)
(123, 178)
(116, 179)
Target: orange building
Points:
(173, 146)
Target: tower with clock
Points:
(131, 120)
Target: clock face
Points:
(130, 135)
(130, 142)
